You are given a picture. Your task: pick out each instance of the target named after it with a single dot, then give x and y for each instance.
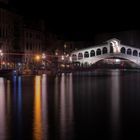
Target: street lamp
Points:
(37, 57)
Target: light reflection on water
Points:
(115, 104)
(2, 110)
(44, 107)
(37, 122)
(68, 107)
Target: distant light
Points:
(43, 56)
(65, 46)
(67, 55)
(70, 59)
(19, 64)
(3, 63)
(37, 57)
(117, 60)
(62, 57)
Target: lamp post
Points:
(1, 55)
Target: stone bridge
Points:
(112, 49)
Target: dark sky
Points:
(82, 19)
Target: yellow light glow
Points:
(37, 57)
(37, 110)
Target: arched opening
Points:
(80, 56)
(86, 55)
(111, 48)
(92, 53)
(122, 50)
(135, 53)
(129, 51)
(139, 54)
(104, 50)
(74, 57)
(98, 52)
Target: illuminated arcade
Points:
(112, 52)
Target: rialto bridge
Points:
(112, 49)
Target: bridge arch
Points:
(104, 51)
(92, 53)
(135, 53)
(129, 51)
(80, 56)
(74, 57)
(123, 50)
(98, 51)
(86, 54)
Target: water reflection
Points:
(8, 97)
(2, 111)
(19, 107)
(14, 88)
(115, 103)
(66, 107)
(44, 106)
(37, 124)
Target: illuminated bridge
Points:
(112, 49)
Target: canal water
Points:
(71, 106)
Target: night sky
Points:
(81, 20)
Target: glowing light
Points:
(70, 59)
(37, 57)
(43, 56)
(3, 63)
(67, 55)
(62, 57)
(117, 60)
(65, 46)
(1, 53)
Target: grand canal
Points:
(70, 106)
